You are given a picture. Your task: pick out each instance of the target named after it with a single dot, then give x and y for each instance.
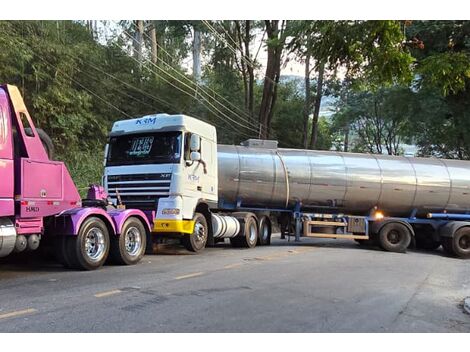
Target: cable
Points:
(202, 88)
(194, 90)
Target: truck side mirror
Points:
(195, 156)
(195, 143)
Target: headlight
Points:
(171, 211)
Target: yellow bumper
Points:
(183, 226)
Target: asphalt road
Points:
(315, 286)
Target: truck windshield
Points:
(148, 148)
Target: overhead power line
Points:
(202, 89)
(192, 89)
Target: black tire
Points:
(427, 243)
(248, 236)
(459, 245)
(89, 249)
(394, 237)
(60, 251)
(129, 247)
(265, 229)
(196, 241)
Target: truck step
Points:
(325, 223)
(337, 235)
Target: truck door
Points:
(6, 158)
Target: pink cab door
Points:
(7, 180)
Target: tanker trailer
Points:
(202, 192)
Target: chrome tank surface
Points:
(351, 182)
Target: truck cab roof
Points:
(164, 123)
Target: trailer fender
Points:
(451, 227)
(69, 221)
(376, 226)
(119, 217)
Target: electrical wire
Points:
(191, 88)
(247, 117)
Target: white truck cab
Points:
(163, 164)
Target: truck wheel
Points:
(89, 249)
(196, 241)
(249, 234)
(129, 247)
(60, 250)
(394, 237)
(459, 245)
(264, 236)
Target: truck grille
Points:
(139, 191)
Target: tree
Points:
(380, 120)
(370, 51)
(442, 50)
(275, 31)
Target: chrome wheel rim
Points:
(265, 232)
(199, 234)
(133, 241)
(253, 232)
(95, 246)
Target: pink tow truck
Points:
(39, 201)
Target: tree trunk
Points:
(153, 44)
(316, 111)
(307, 104)
(197, 55)
(139, 41)
(250, 69)
(273, 70)
(346, 138)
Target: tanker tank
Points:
(262, 175)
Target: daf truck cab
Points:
(166, 166)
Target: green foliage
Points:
(370, 50)
(379, 121)
(288, 120)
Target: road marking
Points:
(18, 313)
(189, 276)
(231, 266)
(107, 293)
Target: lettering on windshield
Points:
(141, 146)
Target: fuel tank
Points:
(350, 182)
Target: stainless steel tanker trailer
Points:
(202, 192)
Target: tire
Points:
(89, 249)
(265, 229)
(248, 237)
(60, 251)
(196, 241)
(459, 245)
(394, 237)
(129, 247)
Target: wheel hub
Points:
(133, 241)
(95, 244)
(393, 237)
(199, 233)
